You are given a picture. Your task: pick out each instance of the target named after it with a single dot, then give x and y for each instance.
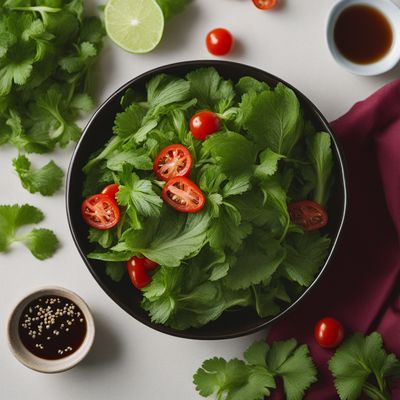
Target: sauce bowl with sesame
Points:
(51, 330)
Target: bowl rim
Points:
(34, 362)
(264, 322)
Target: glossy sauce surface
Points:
(363, 34)
(52, 327)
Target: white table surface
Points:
(129, 360)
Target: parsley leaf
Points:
(46, 180)
(115, 270)
(41, 242)
(255, 378)
(361, 364)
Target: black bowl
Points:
(99, 130)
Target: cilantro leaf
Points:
(115, 270)
(138, 194)
(272, 118)
(211, 91)
(172, 7)
(46, 180)
(268, 164)
(254, 379)
(248, 84)
(306, 252)
(232, 151)
(361, 364)
(41, 242)
(320, 153)
(259, 265)
(178, 237)
(129, 121)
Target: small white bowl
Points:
(390, 60)
(23, 355)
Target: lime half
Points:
(135, 25)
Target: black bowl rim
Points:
(264, 322)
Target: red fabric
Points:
(361, 288)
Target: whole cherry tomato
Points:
(138, 272)
(265, 4)
(111, 190)
(203, 124)
(219, 41)
(329, 332)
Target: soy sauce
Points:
(363, 34)
(52, 327)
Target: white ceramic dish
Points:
(390, 60)
(39, 364)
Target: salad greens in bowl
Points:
(206, 198)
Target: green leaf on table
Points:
(42, 243)
(46, 180)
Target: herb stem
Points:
(374, 393)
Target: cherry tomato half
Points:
(138, 272)
(265, 4)
(100, 211)
(183, 195)
(219, 41)
(203, 124)
(111, 190)
(329, 332)
(173, 160)
(308, 214)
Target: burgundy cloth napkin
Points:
(361, 288)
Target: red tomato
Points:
(265, 4)
(100, 211)
(204, 123)
(308, 214)
(219, 41)
(173, 160)
(183, 195)
(138, 272)
(111, 190)
(329, 332)
(148, 264)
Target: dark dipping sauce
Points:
(363, 34)
(52, 327)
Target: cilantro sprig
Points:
(47, 53)
(255, 378)
(361, 365)
(41, 242)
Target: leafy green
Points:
(172, 7)
(47, 51)
(361, 365)
(46, 180)
(41, 242)
(254, 378)
(320, 153)
(273, 118)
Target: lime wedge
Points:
(135, 25)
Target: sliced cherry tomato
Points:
(183, 195)
(265, 4)
(100, 211)
(203, 124)
(308, 214)
(111, 190)
(329, 332)
(173, 160)
(219, 41)
(138, 272)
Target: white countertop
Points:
(129, 360)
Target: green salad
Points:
(231, 215)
